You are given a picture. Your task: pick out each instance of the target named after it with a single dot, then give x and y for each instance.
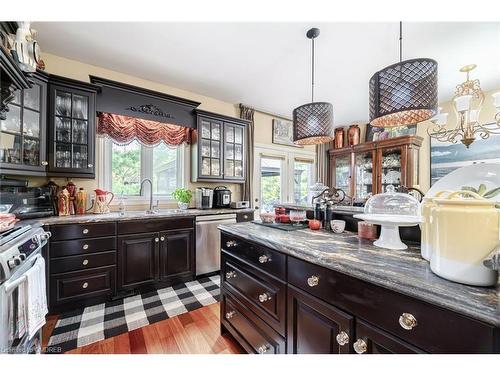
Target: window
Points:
(283, 176)
(125, 166)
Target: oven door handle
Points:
(10, 286)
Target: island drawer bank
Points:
(333, 312)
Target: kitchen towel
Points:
(35, 297)
(21, 311)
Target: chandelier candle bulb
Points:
(473, 115)
(462, 103)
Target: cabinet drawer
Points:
(266, 259)
(77, 247)
(248, 330)
(244, 216)
(261, 293)
(75, 231)
(82, 262)
(79, 285)
(437, 330)
(154, 225)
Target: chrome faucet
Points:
(150, 211)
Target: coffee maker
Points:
(222, 197)
(204, 198)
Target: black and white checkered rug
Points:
(94, 323)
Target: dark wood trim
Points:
(217, 116)
(74, 83)
(98, 81)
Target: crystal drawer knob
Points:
(230, 314)
(264, 259)
(85, 262)
(44, 163)
(85, 247)
(85, 231)
(85, 285)
(313, 281)
(264, 297)
(245, 217)
(230, 275)
(407, 321)
(263, 349)
(157, 239)
(231, 243)
(162, 238)
(342, 338)
(90, 165)
(360, 346)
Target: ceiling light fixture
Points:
(403, 93)
(313, 122)
(467, 103)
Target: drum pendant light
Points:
(404, 93)
(313, 122)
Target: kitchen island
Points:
(336, 287)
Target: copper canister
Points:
(367, 231)
(81, 202)
(353, 135)
(339, 138)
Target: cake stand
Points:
(389, 233)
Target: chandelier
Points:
(403, 93)
(313, 122)
(467, 104)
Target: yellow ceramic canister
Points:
(465, 229)
(426, 226)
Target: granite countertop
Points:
(132, 215)
(403, 271)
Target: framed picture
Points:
(446, 156)
(283, 133)
(374, 133)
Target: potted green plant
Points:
(183, 197)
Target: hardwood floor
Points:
(195, 332)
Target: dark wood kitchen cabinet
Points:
(71, 124)
(24, 131)
(331, 312)
(219, 148)
(176, 254)
(137, 260)
(332, 328)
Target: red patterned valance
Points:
(123, 129)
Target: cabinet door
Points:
(234, 152)
(176, 254)
(210, 140)
(342, 173)
(23, 132)
(315, 327)
(364, 174)
(137, 259)
(372, 340)
(71, 131)
(391, 167)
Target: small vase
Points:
(339, 138)
(353, 135)
(183, 206)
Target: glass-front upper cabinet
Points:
(342, 169)
(23, 132)
(233, 151)
(218, 152)
(72, 129)
(364, 174)
(211, 133)
(390, 164)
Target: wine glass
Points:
(296, 216)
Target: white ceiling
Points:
(267, 65)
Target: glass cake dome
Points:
(392, 203)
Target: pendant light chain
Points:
(312, 72)
(400, 41)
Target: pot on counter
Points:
(465, 230)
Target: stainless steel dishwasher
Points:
(208, 241)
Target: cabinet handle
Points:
(157, 239)
(313, 281)
(264, 259)
(162, 238)
(360, 346)
(44, 163)
(85, 247)
(264, 297)
(85, 231)
(231, 243)
(230, 314)
(407, 321)
(342, 338)
(85, 262)
(230, 275)
(263, 349)
(85, 285)
(90, 165)
(245, 217)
